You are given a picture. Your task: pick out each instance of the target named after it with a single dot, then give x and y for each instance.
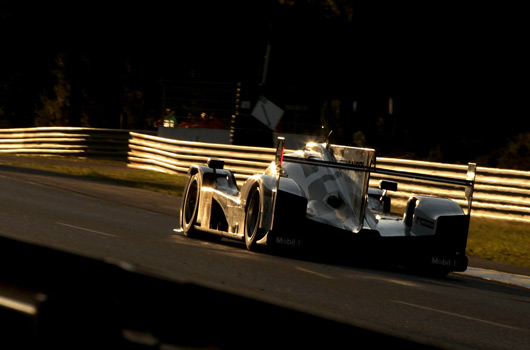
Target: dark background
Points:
(456, 73)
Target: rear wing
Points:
(470, 186)
(368, 166)
(468, 183)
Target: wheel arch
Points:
(266, 185)
(200, 172)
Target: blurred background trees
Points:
(441, 81)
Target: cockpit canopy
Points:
(336, 196)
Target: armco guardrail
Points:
(499, 193)
(173, 156)
(85, 142)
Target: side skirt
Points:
(231, 235)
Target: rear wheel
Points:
(190, 207)
(252, 219)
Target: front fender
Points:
(267, 185)
(209, 178)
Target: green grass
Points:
(147, 180)
(143, 179)
(497, 240)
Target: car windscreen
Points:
(358, 186)
(334, 179)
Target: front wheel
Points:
(252, 219)
(190, 206)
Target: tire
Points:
(190, 207)
(252, 218)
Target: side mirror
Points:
(216, 163)
(388, 185)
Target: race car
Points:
(319, 198)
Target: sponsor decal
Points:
(424, 222)
(444, 262)
(289, 241)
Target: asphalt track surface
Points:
(106, 221)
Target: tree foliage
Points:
(54, 105)
(342, 62)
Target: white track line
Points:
(457, 315)
(86, 229)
